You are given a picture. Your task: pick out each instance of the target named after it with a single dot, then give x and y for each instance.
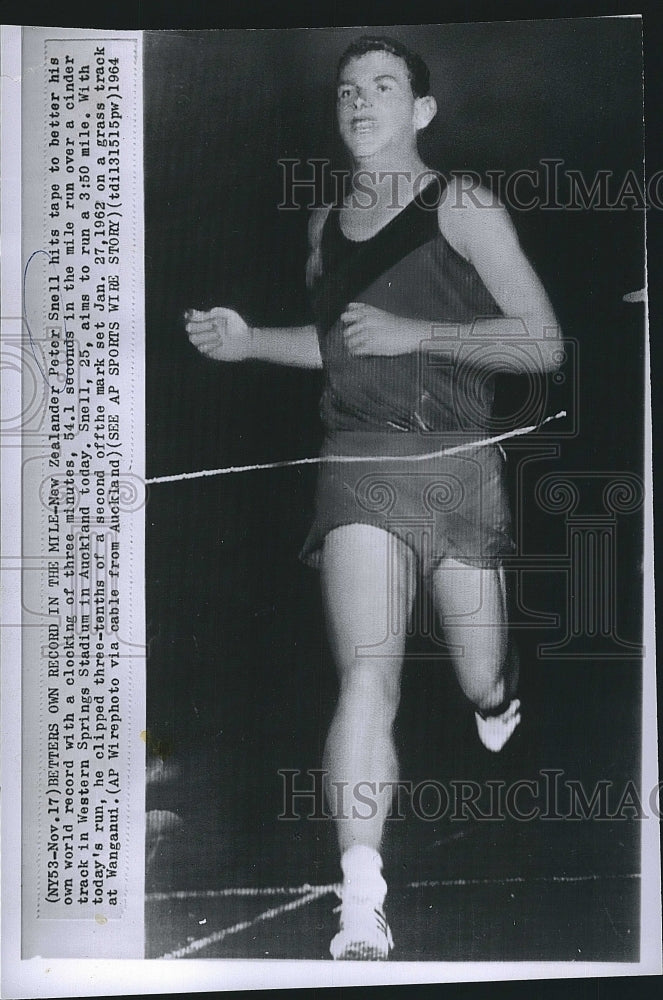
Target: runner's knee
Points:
(373, 687)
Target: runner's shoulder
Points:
(469, 211)
(316, 223)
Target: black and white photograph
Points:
(327, 564)
(395, 345)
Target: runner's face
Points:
(375, 103)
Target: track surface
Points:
(239, 883)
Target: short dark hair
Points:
(417, 69)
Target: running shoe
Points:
(363, 935)
(495, 730)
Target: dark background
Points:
(240, 682)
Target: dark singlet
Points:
(409, 269)
(408, 405)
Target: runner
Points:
(422, 295)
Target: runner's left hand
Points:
(368, 330)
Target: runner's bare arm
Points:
(222, 334)
(480, 229)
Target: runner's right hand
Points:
(220, 333)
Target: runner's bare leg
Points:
(472, 605)
(368, 588)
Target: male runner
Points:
(387, 273)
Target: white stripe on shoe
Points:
(495, 730)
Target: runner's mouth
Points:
(363, 124)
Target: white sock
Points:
(362, 875)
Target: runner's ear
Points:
(425, 109)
